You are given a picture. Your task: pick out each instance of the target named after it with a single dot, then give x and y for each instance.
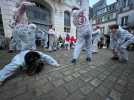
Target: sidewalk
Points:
(102, 79)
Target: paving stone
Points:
(126, 72)
(120, 88)
(76, 69)
(40, 77)
(39, 91)
(86, 77)
(130, 86)
(116, 73)
(13, 93)
(76, 96)
(49, 96)
(94, 96)
(86, 89)
(54, 76)
(122, 82)
(47, 88)
(88, 68)
(128, 95)
(93, 67)
(8, 87)
(58, 83)
(67, 72)
(107, 73)
(131, 80)
(108, 83)
(39, 82)
(112, 78)
(83, 71)
(76, 75)
(102, 91)
(95, 82)
(64, 69)
(101, 77)
(124, 78)
(25, 96)
(100, 69)
(50, 78)
(94, 73)
(115, 95)
(60, 93)
(68, 78)
(73, 85)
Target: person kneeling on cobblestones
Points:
(31, 62)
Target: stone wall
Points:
(7, 10)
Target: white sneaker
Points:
(57, 65)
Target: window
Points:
(111, 16)
(102, 11)
(103, 19)
(108, 17)
(124, 20)
(1, 24)
(125, 3)
(67, 21)
(40, 14)
(66, 29)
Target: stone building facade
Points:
(45, 13)
(104, 15)
(120, 12)
(126, 13)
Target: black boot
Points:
(115, 58)
(88, 59)
(73, 61)
(10, 51)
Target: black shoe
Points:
(115, 58)
(73, 61)
(10, 51)
(88, 59)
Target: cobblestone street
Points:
(102, 79)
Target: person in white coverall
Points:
(119, 41)
(95, 39)
(29, 43)
(25, 37)
(84, 33)
(45, 39)
(19, 20)
(52, 38)
(29, 61)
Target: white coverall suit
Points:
(24, 37)
(84, 33)
(18, 61)
(119, 42)
(18, 33)
(19, 20)
(52, 39)
(45, 39)
(95, 39)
